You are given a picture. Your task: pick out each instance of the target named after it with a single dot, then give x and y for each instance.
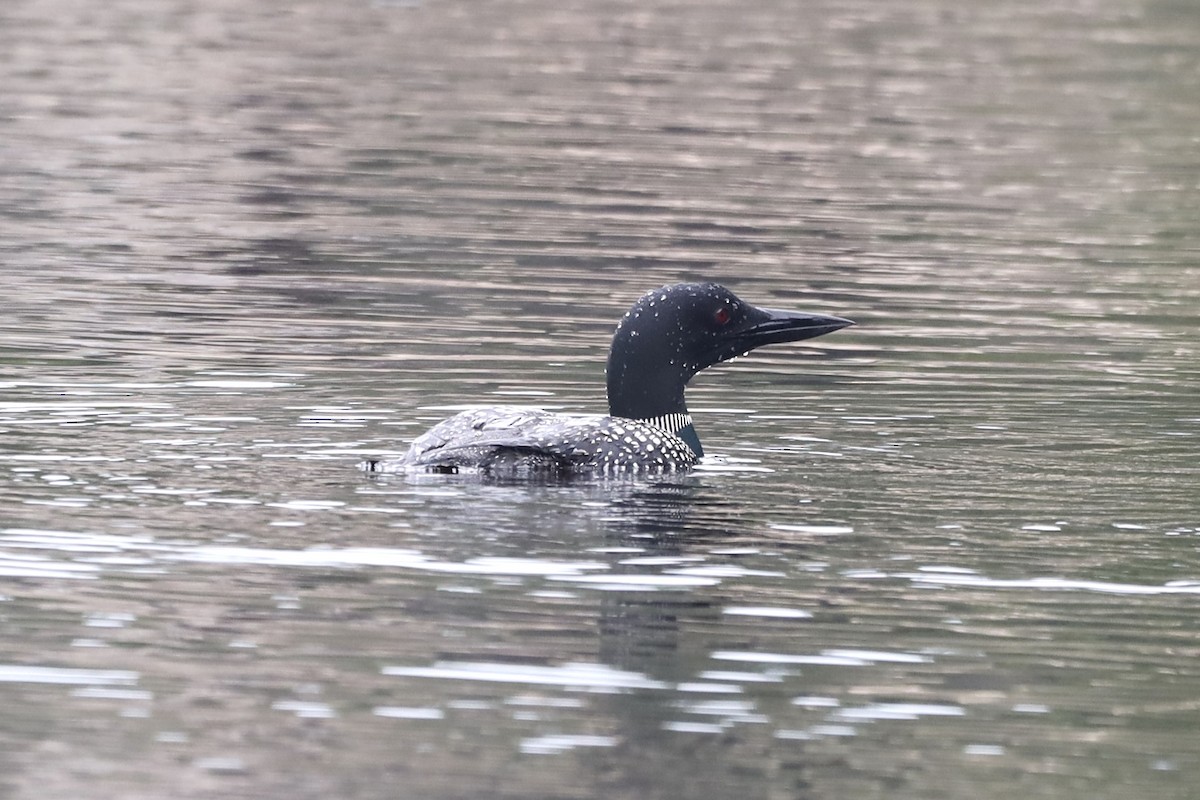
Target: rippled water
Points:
(950, 552)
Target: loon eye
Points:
(721, 317)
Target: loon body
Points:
(668, 336)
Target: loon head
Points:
(672, 333)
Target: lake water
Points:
(951, 552)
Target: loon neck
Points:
(645, 376)
(678, 424)
(688, 434)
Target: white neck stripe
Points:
(671, 423)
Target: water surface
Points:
(950, 552)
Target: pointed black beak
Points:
(773, 326)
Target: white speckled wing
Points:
(519, 440)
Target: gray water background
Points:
(948, 553)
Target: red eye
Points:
(721, 317)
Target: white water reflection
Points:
(893, 711)
(14, 673)
(555, 744)
(408, 712)
(630, 582)
(386, 557)
(30, 566)
(305, 709)
(767, 611)
(834, 658)
(1051, 584)
(579, 676)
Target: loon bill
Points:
(668, 336)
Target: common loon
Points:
(668, 336)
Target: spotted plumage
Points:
(521, 440)
(668, 336)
